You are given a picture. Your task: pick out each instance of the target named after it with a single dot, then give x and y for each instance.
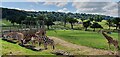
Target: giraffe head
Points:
(5, 36)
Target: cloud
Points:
(111, 9)
(105, 8)
(58, 0)
(73, 0)
(35, 1)
(92, 0)
(21, 9)
(58, 4)
(89, 7)
(64, 10)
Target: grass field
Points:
(85, 38)
(79, 37)
(18, 50)
(9, 47)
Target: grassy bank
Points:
(85, 38)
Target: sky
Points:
(103, 7)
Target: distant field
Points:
(5, 22)
(59, 25)
(85, 38)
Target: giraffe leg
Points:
(109, 46)
(53, 46)
(45, 46)
(116, 50)
(39, 43)
(32, 42)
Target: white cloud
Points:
(64, 10)
(91, 0)
(21, 9)
(111, 9)
(73, 0)
(35, 1)
(57, 0)
(105, 8)
(59, 4)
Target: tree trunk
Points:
(71, 25)
(94, 29)
(48, 27)
(116, 27)
(86, 29)
(109, 27)
(51, 27)
(119, 26)
(64, 23)
(13, 24)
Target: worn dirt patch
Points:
(82, 49)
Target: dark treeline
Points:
(56, 15)
(16, 16)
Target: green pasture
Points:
(59, 25)
(84, 38)
(7, 47)
(79, 37)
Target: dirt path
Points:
(82, 49)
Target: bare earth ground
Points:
(81, 49)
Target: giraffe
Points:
(44, 39)
(29, 35)
(17, 35)
(41, 38)
(41, 32)
(48, 41)
(111, 40)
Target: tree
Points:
(96, 25)
(47, 18)
(48, 21)
(109, 23)
(72, 21)
(12, 18)
(86, 24)
(40, 17)
(116, 21)
(82, 19)
(98, 18)
(91, 19)
(29, 21)
(65, 19)
(20, 19)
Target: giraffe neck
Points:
(107, 37)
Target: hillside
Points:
(6, 12)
